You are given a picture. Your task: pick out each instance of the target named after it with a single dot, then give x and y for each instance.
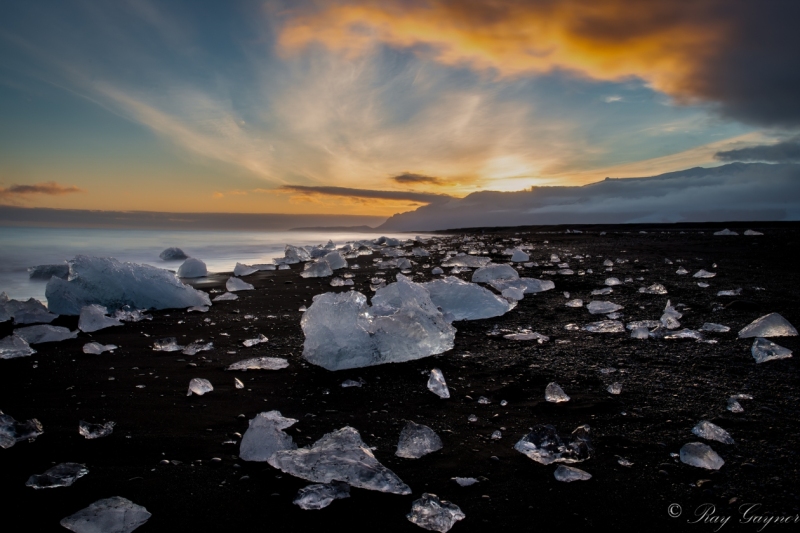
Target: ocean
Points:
(22, 248)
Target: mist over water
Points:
(23, 248)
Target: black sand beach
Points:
(668, 386)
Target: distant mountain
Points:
(738, 191)
(348, 229)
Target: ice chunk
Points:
(685, 334)
(172, 254)
(320, 496)
(95, 431)
(111, 515)
(293, 254)
(339, 456)
(335, 260)
(433, 514)
(750, 232)
(128, 314)
(169, 344)
(352, 383)
(15, 346)
(528, 285)
(199, 386)
(192, 268)
(519, 256)
(670, 317)
(608, 263)
(704, 274)
(260, 363)
(612, 282)
(771, 325)
(568, 474)
(465, 481)
(96, 348)
(466, 301)
(605, 326)
(235, 284)
(725, 231)
(437, 271)
(614, 388)
(60, 270)
(265, 436)
(640, 333)
(700, 455)
(226, 297)
(490, 273)
(45, 333)
(655, 288)
(12, 431)
(544, 445)
(258, 340)
(554, 393)
(709, 431)
(734, 292)
(417, 440)
(681, 271)
(437, 384)
(527, 336)
(513, 294)
(601, 308)
(574, 303)
(243, 270)
(733, 402)
(31, 311)
(470, 261)
(497, 435)
(420, 252)
(318, 269)
(764, 350)
(61, 475)
(107, 282)
(715, 328)
(197, 347)
(602, 292)
(93, 318)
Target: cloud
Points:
(49, 188)
(739, 55)
(409, 196)
(781, 152)
(413, 179)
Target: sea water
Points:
(22, 248)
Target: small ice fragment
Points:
(437, 384)
(433, 514)
(243, 270)
(703, 284)
(15, 346)
(351, 383)
(198, 309)
(497, 435)
(598, 307)
(111, 515)
(226, 297)
(319, 496)
(701, 455)
(472, 418)
(503, 403)
(318, 269)
(602, 292)
(527, 336)
(417, 440)
(465, 481)
(670, 317)
(544, 445)
(655, 288)
(61, 475)
(709, 431)
(566, 295)
(95, 431)
(199, 386)
(771, 325)
(96, 348)
(725, 231)
(238, 383)
(605, 326)
(704, 274)
(624, 462)
(681, 271)
(168, 344)
(572, 327)
(45, 333)
(715, 328)
(764, 350)
(260, 363)
(265, 436)
(734, 292)
(554, 393)
(437, 271)
(640, 333)
(337, 282)
(685, 334)
(93, 318)
(519, 256)
(513, 293)
(612, 281)
(568, 474)
(574, 303)
(733, 402)
(751, 232)
(172, 254)
(615, 388)
(258, 340)
(235, 284)
(192, 268)
(483, 400)
(12, 431)
(197, 347)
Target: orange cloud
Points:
(50, 188)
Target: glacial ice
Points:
(437, 271)
(318, 269)
(417, 440)
(433, 514)
(554, 393)
(12, 432)
(567, 474)
(681, 271)
(574, 303)
(335, 260)
(464, 300)
(111, 515)
(225, 297)
(614, 388)
(197, 347)
(95, 348)
(15, 346)
(733, 402)
(605, 326)
(704, 274)
(751, 232)
(700, 455)
(519, 256)
(602, 292)
(725, 231)
(168, 344)
(260, 363)
(764, 350)
(95, 431)
(670, 317)
(527, 336)
(45, 333)
(655, 288)
(235, 284)
(493, 272)
(293, 254)
(714, 328)
(261, 339)
(31, 311)
(339, 456)
(528, 285)
(771, 325)
(93, 318)
(60, 270)
(514, 294)
(470, 261)
(465, 481)
(320, 495)
(544, 445)
(243, 270)
(265, 436)
(437, 384)
(107, 282)
(199, 386)
(192, 268)
(685, 333)
(61, 475)
(598, 307)
(172, 254)
(710, 431)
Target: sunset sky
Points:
(372, 107)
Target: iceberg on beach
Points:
(15, 346)
(192, 268)
(60, 270)
(172, 254)
(490, 273)
(31, 311)
(110, 283)
(466, 301)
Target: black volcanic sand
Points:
(668, 386)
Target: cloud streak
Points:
(409, 196)
(49, 188)
(781, 152)
(409, 178)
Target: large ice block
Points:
(466, 301)
(93, 318)
(265, 437)
(490, 273)
(111, 515)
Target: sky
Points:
(376, 108)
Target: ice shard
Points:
(45, 333)
(318, 269)
(714, 328)
(597, 307)
(466, 301)
(704, 274)
(700, 455)
(655, 288)
(260, 363)
(15, 346)
(417, 440)
(226, 297)
(710, 431)
(321, 495)
(243, 270)
(554, 393)
(433, 514)
(111, 515)
(437, 384)
(265, 436)
(528, 285)
(764, 350)
(519, 256)
(172, 254)
(544, 445)
(61, 475)
(93, 318)
(199, 386)
(12, 431)
(95, 431)
(490, 273)
(605, 326)
(235, 284)
(771, 325)
(567, 474)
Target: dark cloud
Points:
(782, 152)
(410, 196)
(49, 188)
(409, 177)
